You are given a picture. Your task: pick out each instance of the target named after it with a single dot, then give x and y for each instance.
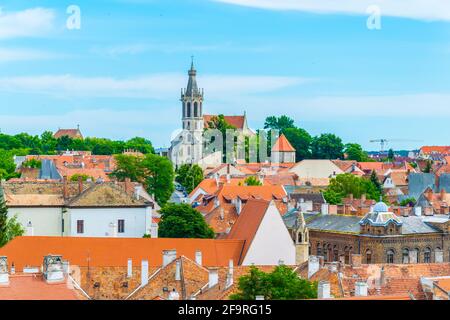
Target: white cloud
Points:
(415, 9)
(26, 23)
(156, 86)
(9, 55)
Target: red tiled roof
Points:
(283, 145)
(30, 251)
(435, 149)
(248, 223)
(72, 133)
(236, 121)
(34, 287)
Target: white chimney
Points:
(230, 279)
(228, 178)
(53, 269)
(137, 191)
(324, 209)
(313, 265)
(129, 268)
(217, 179)
(144, 273)
(4, 276)
(30, 229)
(213, 277)
(360, 289)
(154, 230)
(238, 205)
(178, 271)
(169, 256)
(198, 257)
(216, 202)
(174, 295)
(418, 211)
(222, 214)
(323, 291)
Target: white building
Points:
(82, 210)
(267, 240)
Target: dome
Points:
(381, 207)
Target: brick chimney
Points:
(65, 188)
(80, 184)
(128, 186)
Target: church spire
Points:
(192, 88)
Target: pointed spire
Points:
(192, 88)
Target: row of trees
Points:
(23, 144)
(324, 146)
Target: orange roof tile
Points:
(283, 145)
(435, 149)
(236, 121)
(30, 251)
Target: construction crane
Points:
(384, 142)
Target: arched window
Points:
(335, 253)
(438, 255)
(416, 256)
(368, 256)
(405, 255)
(188, 110)
(390, 256)
(195, 109)
(184, 109)
(347, 255)
(427, 255)
(319, 249)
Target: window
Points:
(347, 255)
(80, 226)
(415, 258)
(188, 110)
(427, 255)
(319, 250)
(335, 254)
(405, 256)
(390, 256)
(121, 226)
(368, 256)
(195, 109)
(62, 225)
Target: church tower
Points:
(192, 117)
(301, 239)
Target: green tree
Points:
(429, 167)
(129, 166)
(84, 177)
(409, 202)
(376, 182)
(32, 163)
(140, 144)
(355, 152)
(279, 123)
(9, 227)
(252, 181)
(345, 184)
(182, 221)
(189, 176)
(327, 146)
(391, 155)
(280, 284)
(332, 197)
(301, 141)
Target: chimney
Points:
(53, 269)
(222, 214)
(30, 229)
(213, 277)
(313, 265)
(137, 191)
(144, 273)
(128, 185)
(324, 209)
(238, 205)
(229, 281)
(228, 178)
(174, 295)
(350, 196)
(65, 188)
(80, 184)
(418, 211)
(198, 257)
(382, 277)
(217, 178)
(169, 256)
(216, 202)
(178, 270)
(323, 290)
(4, 276)
(129, 268)
(360, 289)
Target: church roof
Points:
(236, 121)
(192, 88)
(283, 145)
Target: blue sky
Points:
(120, 75)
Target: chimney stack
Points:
(128, 186)
(360, 289)
(229, 281)
(213, 277)
(323, 290)
(169, 256)
(198, 257)
(80, 184)
(4, 276)
(129, 268)
(313, 265)
(178, 270)
(144, 273)
(65, 188)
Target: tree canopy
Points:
(252, 181)
(9, 227)
(189, 176)
(154, 172)
(280, 284)
(327, 146)
(355, 152)
(182, 221)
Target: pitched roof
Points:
(71, 133)
(236, 121)
(283, 145)
(30, 251)
(248, 223)
(435, 149)
(34, 287)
